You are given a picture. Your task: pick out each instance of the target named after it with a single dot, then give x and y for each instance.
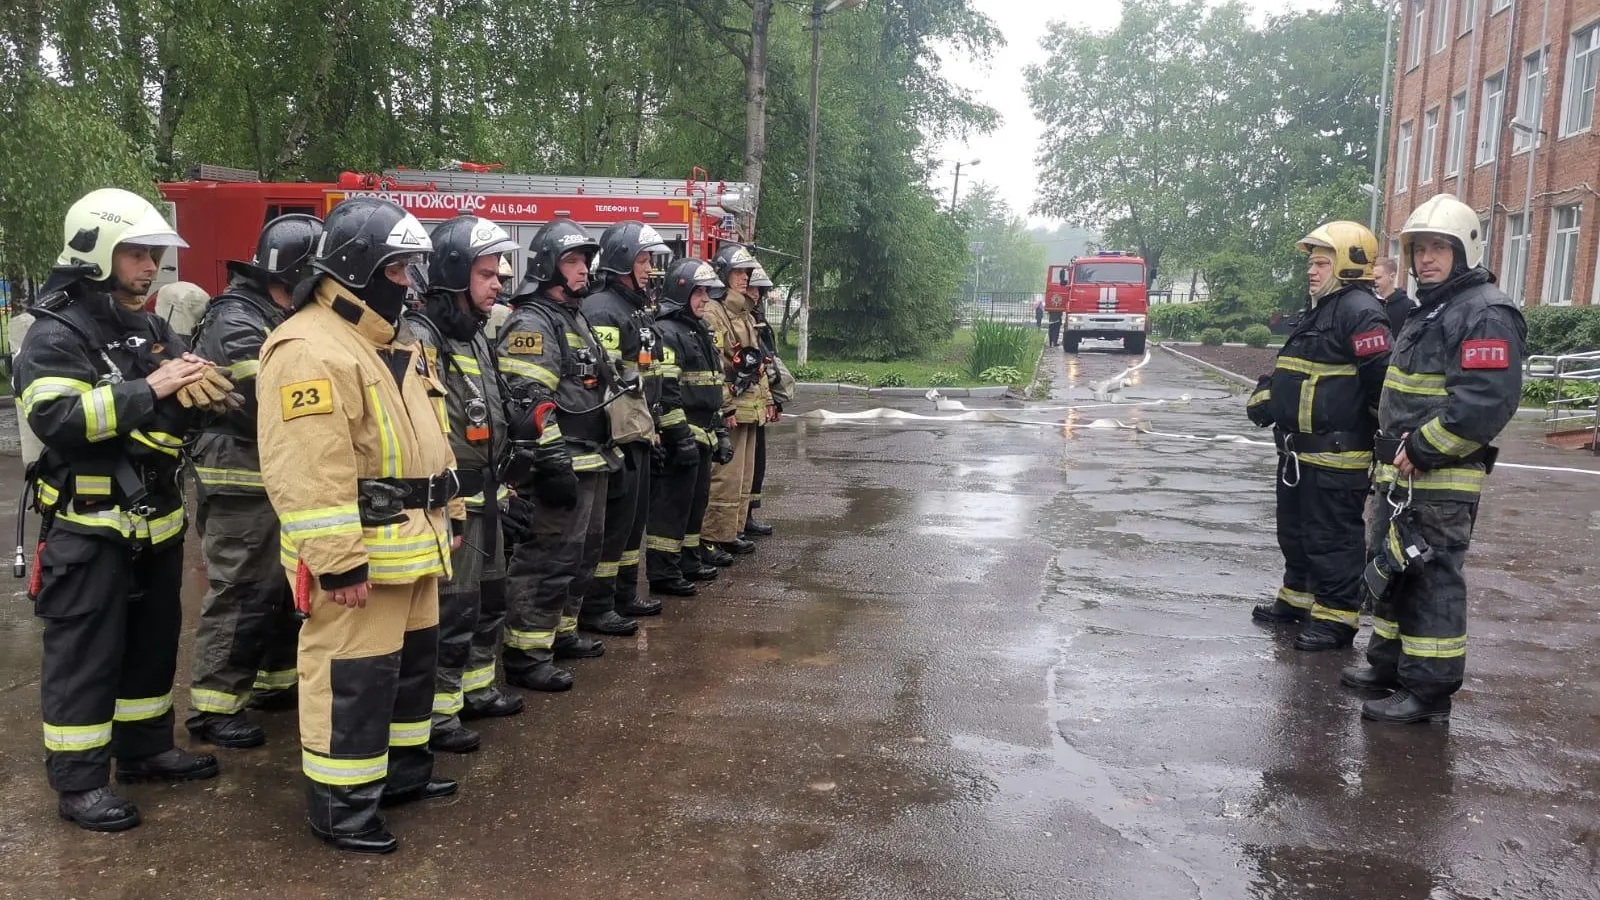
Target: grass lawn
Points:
(948, 357)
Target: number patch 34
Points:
(307, 398)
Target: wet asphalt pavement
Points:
(979, 659)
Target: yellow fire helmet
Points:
(1446, 216)
(104, 219)
(1353, 247)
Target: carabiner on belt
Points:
(1398, 506)
(1291, 461)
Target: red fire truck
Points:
(220, 211)
(1103, 296)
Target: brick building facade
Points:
(1483, 90)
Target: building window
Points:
(1563, 254)
(1499, 6)
(1577, 99)
(1494, 103)
(1456, 139)
(1469, 12)
(1441, 24)
(1402, 163)
(1430, 141)
(1530, 102)
(1514, 268)
(1419, 15)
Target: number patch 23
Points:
(307, 398)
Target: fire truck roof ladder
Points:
(551, 185)
(220, 173)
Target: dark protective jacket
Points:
(235, 325)
(113, 452)
(621, 320)
(474, 401)
(1324, 388)
(1398, 306)
(691, 374)
(547, 353)
(1454, 382)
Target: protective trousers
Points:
(247, 630)
(549, 571)
(759, 476)
(1055, 330)
(111, 621)
(1320, 534)
(730, 487)
(472, 609)
(1419, 632)
(672, 500)
(366, 692)
(616, 577)
(690, 558)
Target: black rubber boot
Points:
(712, 555)
(274, 701)
(98, 810)
(1366, 678)
(607, 622)
(633, 607)
(454, 740)
(754, 527)
(1403, 707)
(347, 817)
(1279, 613)
(543, 677)
(233, 732)
(491, 704)
(699, 571)
(169, 765)
(433, 790)
(576, 646)
(1319, 634)
(737, 547)
(675, 588)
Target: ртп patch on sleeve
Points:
(1370, 343)
(525, 343)
(306, 398)
(1487, 353)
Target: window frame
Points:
(1562, 240)
(1489, 128)
(1534, 138)
(1419, 24)
(1404, 140)
(1428, 146)
(1514, 257)
(1592, 58)
(1499, 6)
(1441, 26)
(1455, 139)
(1469, 15)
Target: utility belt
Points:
(1321, 442)
(1386, 448)
(383, 501)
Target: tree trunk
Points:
(755, 109)
(310, 100)
(436, 28)
(130, 38)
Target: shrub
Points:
(808, 372)
(1212, 337)
(944, 379)
(1539, 393)
(848, 376)
(1258, 335)
(890, 378)
(1233, 336)
(995, 344)
(1554, 330)
(1001, 375)
(1178, 321)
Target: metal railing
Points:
(1569, 410)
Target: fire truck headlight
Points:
(1075, 321)
(1138, 321)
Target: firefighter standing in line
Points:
(1321, 401)
(358, 465)
(781, 386)
(462, 282)
(558, 380)
(620, 317)
(246, 634)
(691, 400)
(100, 382)
(746, 398)
(1454, 381)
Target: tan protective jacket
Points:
(342, 397)
(732, 329)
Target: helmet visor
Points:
(168, 239)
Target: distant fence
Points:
(999, 306)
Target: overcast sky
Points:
(1007, 153)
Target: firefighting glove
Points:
(1259, 409)
(213, 393)
(724, 452)
(517, 521)
(554, 482)
(680, 445)
(658, 458)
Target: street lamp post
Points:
(955, 189)
(819, 8)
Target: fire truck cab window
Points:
(1063, 276)
(1110, 273)
(274, 210)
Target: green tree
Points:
(1012, 260)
